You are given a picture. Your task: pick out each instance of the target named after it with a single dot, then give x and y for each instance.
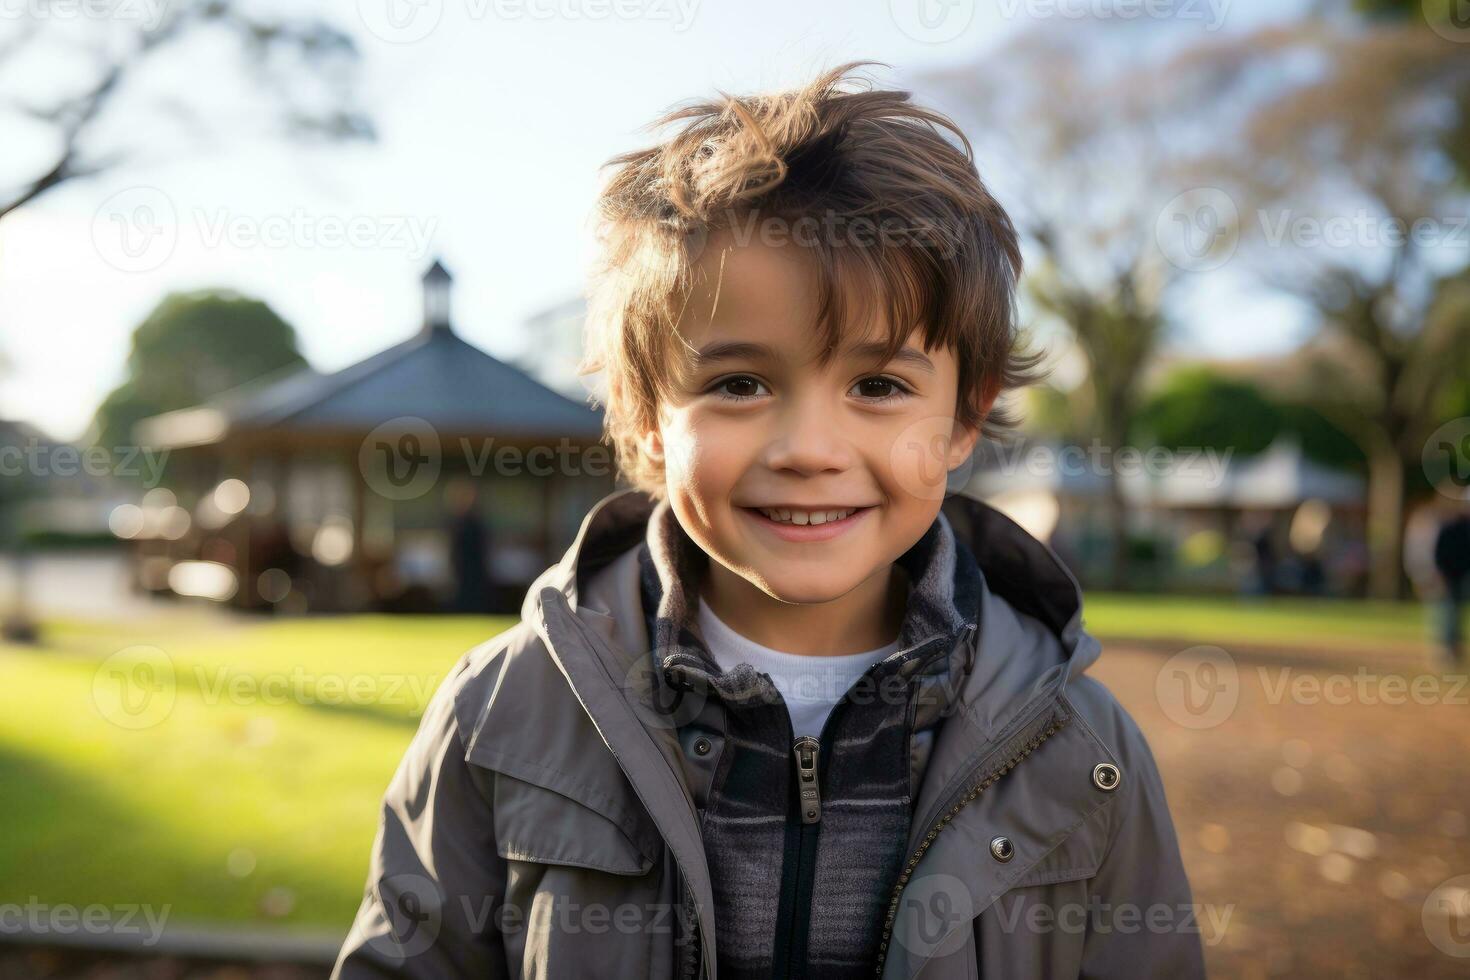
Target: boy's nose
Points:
(808, 439)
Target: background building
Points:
(336, 491)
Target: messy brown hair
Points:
(822, 151)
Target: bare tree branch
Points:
(75, 116)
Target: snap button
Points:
(1106, 777)
(702, 746)
(1002, 849)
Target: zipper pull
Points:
(807, 750)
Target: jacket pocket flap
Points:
(1077, 857)
(533, 823)
(1049, 875)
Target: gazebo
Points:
(336, 491)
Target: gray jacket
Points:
(541, 822)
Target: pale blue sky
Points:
(492, 127)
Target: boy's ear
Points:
(964, 437)
(652, 444)
(961, 443)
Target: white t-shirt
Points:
(810, 685)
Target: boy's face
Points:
(756, 429)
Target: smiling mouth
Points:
(804, 517)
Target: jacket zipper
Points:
(807, 752)
(801, 861)
(965, 800)
(691, 960)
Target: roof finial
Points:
(437, 285)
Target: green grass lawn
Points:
(1352, 626)
(250, 797)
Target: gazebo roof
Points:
(434, 375)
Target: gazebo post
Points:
(359, 562)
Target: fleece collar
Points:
(1014, 566)
(940, 615)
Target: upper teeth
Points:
(787, 516)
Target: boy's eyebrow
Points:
(909, 355)
(731, 350)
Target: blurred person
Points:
(748, 715)
(469, 547)
(1313, 580)
(1452, 562)
(1267, 572)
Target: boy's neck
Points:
(866, 618)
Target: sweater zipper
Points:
(964, 800)
(799, 880)
(800, 865)
(807, 751)
(797, 885)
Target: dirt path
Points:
(1320, 810)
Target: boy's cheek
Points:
(921, 456)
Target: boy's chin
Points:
(804, 590)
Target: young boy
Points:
(787, 708)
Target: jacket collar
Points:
(939, 615)
(1013, 566)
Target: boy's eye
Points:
(742, 385)
(877, 389)
(880, 389)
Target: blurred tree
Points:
(75, 83)
(18, 487)
(191, 347)
(1048, 411)
(1442, 15)
(1198, 406)
(1063, 102)
(1343, 154)
(1320, 439)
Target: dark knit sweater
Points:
(827, 921)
